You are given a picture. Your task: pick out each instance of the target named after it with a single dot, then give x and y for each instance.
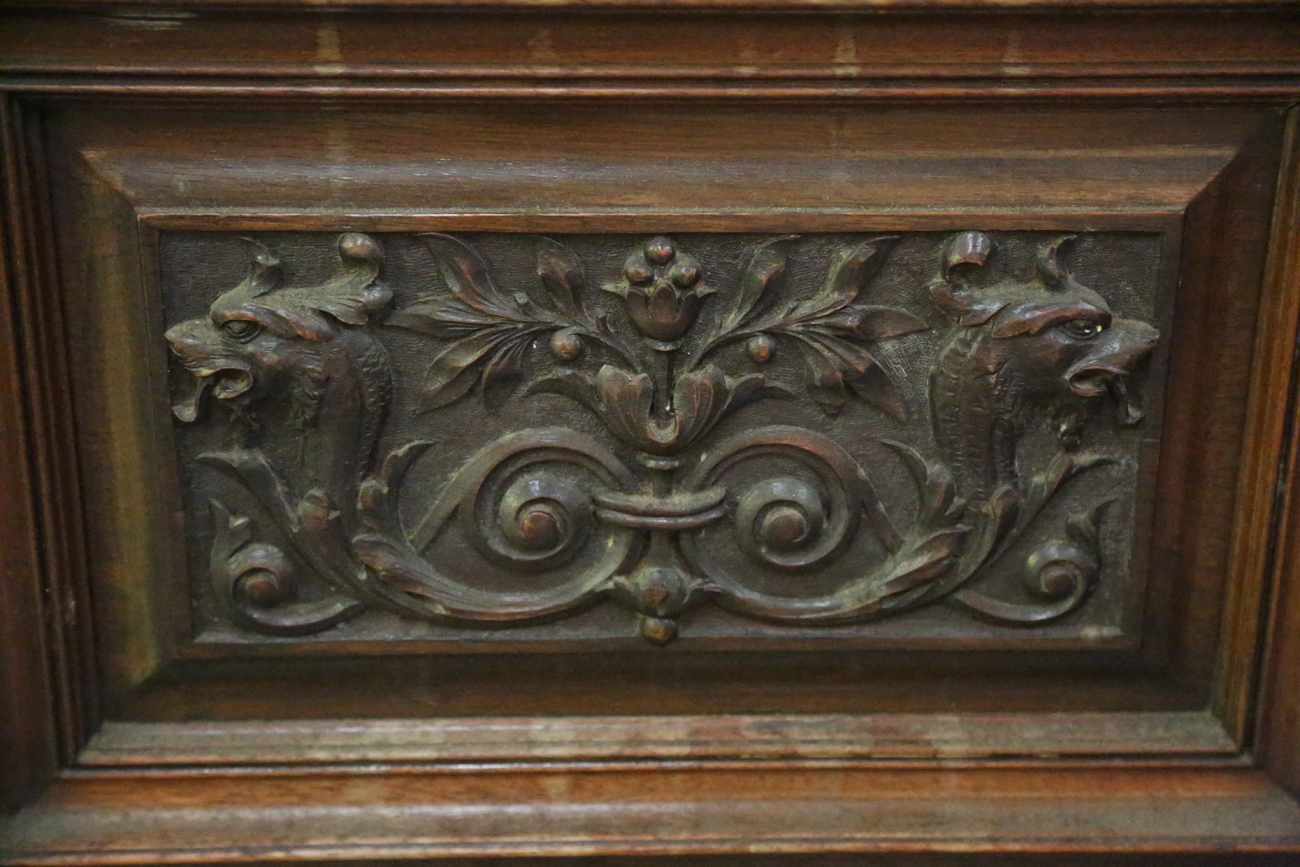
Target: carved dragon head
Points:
(298, 346)
(1043, 346)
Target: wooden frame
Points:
(1182, 748)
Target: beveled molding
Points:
(1175, 176)
(1171, 178)
(1173, 786)
(881, 50)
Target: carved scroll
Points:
(697, 464)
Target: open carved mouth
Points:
(1095, 382)
(224, 382)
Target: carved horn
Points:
(965, 248)
(264, 268)
(1050, 270)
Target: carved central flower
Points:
(662, 290)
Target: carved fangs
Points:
(1131, 410)
(1098, 383)
(225, 383)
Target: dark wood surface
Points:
(137, 142)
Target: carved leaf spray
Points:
(545, 500)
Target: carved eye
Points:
(241, 330)
(1082, 329)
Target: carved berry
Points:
(761, 348)
(566, 345)
(685, 274)
(639, 274)
(659, 251)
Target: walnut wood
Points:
(607, 741)
(1038, 52)
(1277, 730)
(28, 731)
(126, 129)
(764, 810)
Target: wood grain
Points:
(608, 116)
(1278, 722)
(28, 728)
(599, 739)
(211, 817)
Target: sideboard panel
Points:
(444, 433)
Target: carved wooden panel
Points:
(694, 436)
(669, 434)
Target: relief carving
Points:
(661, 500)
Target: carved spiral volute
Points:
(789, 523)
(541, 521)
(263, 576)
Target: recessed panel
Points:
(524, 441)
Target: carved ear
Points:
(966, 248)
(1050, 270)
(361, 251)
(356, 297)
(962, 253)
(264, 271)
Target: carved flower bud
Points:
(663, 291)
(760, 348)
(658, 630)
(566, 345)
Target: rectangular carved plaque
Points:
(724, 440)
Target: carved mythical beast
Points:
(296, 354)
(1046, 346)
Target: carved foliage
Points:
(663, 515)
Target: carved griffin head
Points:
(297, 344)
(1051, 334)
(1024, 349)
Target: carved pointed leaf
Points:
(1001, 513)
(868, 322)
(572, 384)
(849, 279)
(858, 371)
(935, 483)
(376, 500)
(562, 276)
(1063, 467)
(925, 561)
(354, 309)
(827, 389)
(1083, 530)
(503, 373)
(442, 319)
(753, 387)
(767, 264)
(876, 387)
(453, 373)
(466, 275)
